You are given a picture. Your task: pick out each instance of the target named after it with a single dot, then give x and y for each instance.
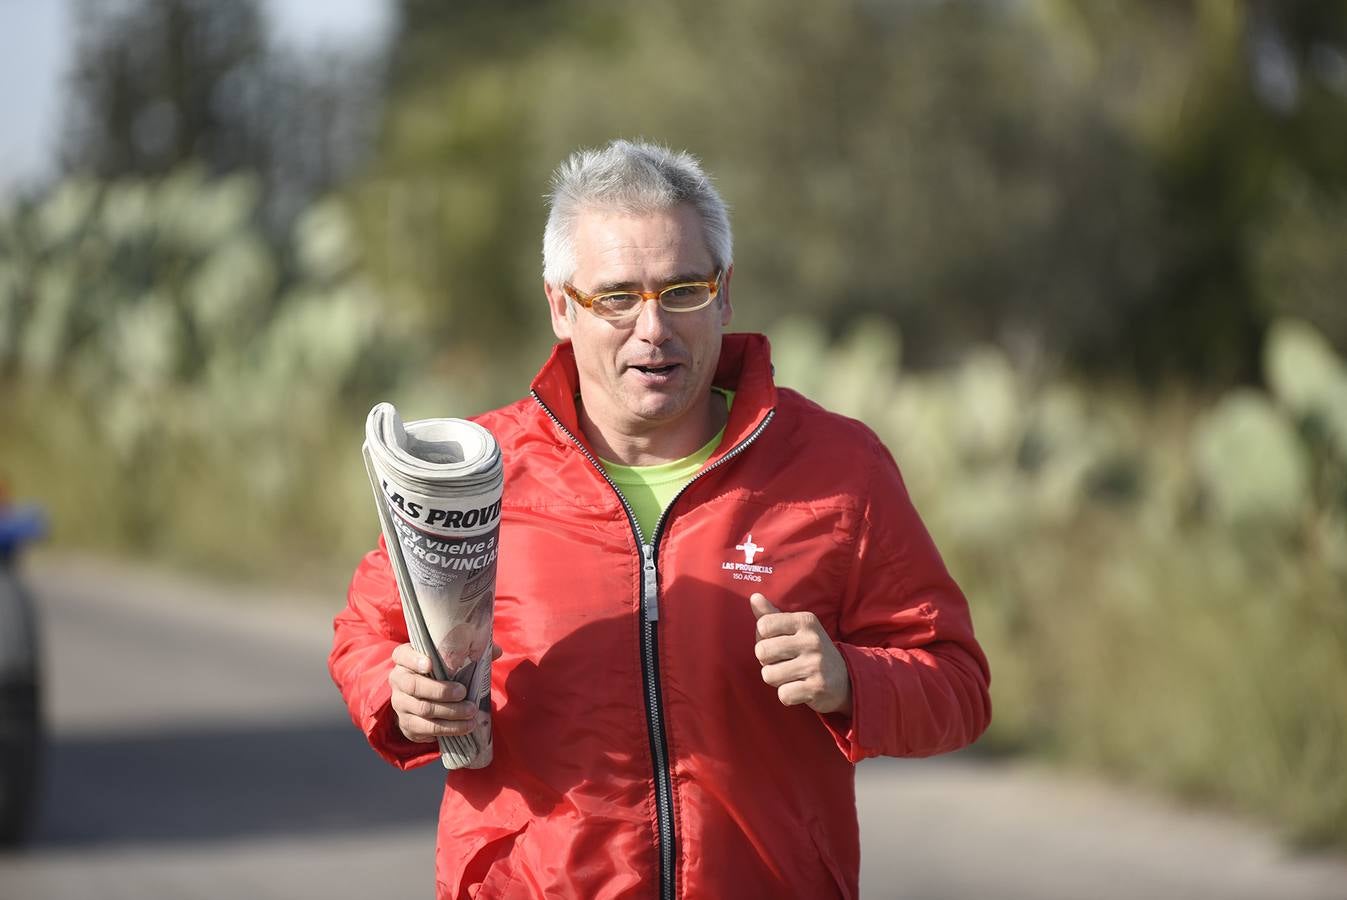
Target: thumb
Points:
(761, 606)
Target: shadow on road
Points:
(312, 779)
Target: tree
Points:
(161, 83)
(1084, 183)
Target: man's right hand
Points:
(426, 708)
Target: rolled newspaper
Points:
(437, 486)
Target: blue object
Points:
(18, 525)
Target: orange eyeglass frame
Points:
(587, 300)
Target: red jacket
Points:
(638, 753)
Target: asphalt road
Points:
(199, 751)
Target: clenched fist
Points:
(800, 660)
(426, 708)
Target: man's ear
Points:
(556, 306)
(723, 298)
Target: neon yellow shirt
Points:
(651, 488)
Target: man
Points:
(714, 597)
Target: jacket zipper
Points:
(649, 609)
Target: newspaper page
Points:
(437, 487)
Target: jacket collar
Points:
(745, 367)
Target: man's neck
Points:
(660, 443)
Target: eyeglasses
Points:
(623, 306)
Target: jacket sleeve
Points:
(366, 632)
(919, 680)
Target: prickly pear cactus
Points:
(1300, 365)
(800, 354)
(987, 407)
(856, 376)
(862, 370)
(169, 284)
(1251, 465)
(1309, 379)
(162, 310)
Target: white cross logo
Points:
(750, 549)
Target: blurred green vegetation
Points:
(174, 385)
(1160, 582)
(1079, 264)
(1118, 190)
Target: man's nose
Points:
(652, 322)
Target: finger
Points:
(761, 606)
(423, 688)
(792, 670)
(423, 730)
(778, 624)
(776, 649)
(416, 730)
(409, 657)
(796, 693)
(430, 710)
(496, 651)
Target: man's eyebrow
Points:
(691, 276)
(610, 286)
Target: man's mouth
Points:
(656, 370)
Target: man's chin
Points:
(655, 406)
(658, 410)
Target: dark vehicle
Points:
(20, 712)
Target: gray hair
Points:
(632, 177)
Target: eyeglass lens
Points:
(675, 298)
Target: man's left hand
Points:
(800, 660)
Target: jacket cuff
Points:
(380, 725)
(845, 728)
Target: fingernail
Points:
(423, 665)
(458, 691)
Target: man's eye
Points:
(680, 292)
(618, 301)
